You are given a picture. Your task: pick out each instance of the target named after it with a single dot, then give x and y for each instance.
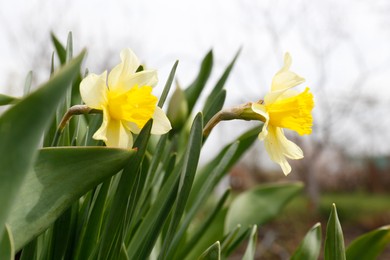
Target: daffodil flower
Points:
(127, 102)
(284, 108)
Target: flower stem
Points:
(74, 110)
(242, 112)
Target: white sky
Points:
(340, 47)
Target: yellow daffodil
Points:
(285, 108)
(126, 100)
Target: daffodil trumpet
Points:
(126, 101)
(282, 108)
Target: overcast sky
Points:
(340, 47)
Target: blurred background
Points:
(339, 47)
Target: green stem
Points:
(243, 112)
(74, 110)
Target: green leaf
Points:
(29, 252)
(7, 100)
(27, 83)
(260, 204)
(195, 89)
(237, 241)
(21, 129)
(178, 109)
(202, 196)
(60, 176)
(334, 241)
(370, 245)
(251, 247)
(213, 233)
(127, 186)
(69, 48)
(244, 142)
(310, 247)
(191, 159)
(168, 85)
(212, 253)
(7, 247)
(90, 233)
(60, 50)
(215, 105)
(204, 227)
(229, 239)
(222, 80)
(216, 92)
(148, 231)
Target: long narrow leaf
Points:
(204, 227)
(7, 100)
(7, 247)
(60, 176)
(195, 89)
(27, 83)
(310, 247)
(244, 143)
(251, 247)
(217, 90)
(212, 253)
(260, 204)
(191, 159)
(127, 185)
(168, 85)
(60, 50)
(334, 241)
(215, 105)
(21, 129)
(202, 196)
(369, 245)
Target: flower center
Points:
(137, 105)
(293, 112)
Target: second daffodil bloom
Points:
(127, 102)
(285, 108)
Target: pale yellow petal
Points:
(127, 67)
(283, 80)
(132, 127)
(140, 79)
(161, 123)
(290, 149)
(100, 134)
(93, 90)
(276, 151)
(261, 110)
(118, 136)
